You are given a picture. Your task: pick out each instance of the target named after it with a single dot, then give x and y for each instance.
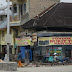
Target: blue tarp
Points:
(23, 49)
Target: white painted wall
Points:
(67, 1)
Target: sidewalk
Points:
(61, 68)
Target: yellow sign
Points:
(45, 41)
(23, 41)
(34, 37)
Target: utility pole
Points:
(8, 27)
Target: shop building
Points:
(54, 35)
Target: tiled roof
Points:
(59, 16)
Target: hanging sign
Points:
(23, 41)
(34, 37)
(45, 41)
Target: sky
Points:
(3, 5)
(69, 1)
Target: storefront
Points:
(23, 44)
(47, 46)
(57, 22)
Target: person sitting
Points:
(55, 56)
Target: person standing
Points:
(19, 59)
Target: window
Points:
(24, 7)
(15, 8)
(1, 18)
(15, 33)
(21, 9)
(2, 35)
(10, 31)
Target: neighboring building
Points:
(54, 32)
(19, 14)
(37, 6)
(3, 25)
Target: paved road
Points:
(65, 68)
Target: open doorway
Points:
(68, 53)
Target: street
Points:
(61, 68)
